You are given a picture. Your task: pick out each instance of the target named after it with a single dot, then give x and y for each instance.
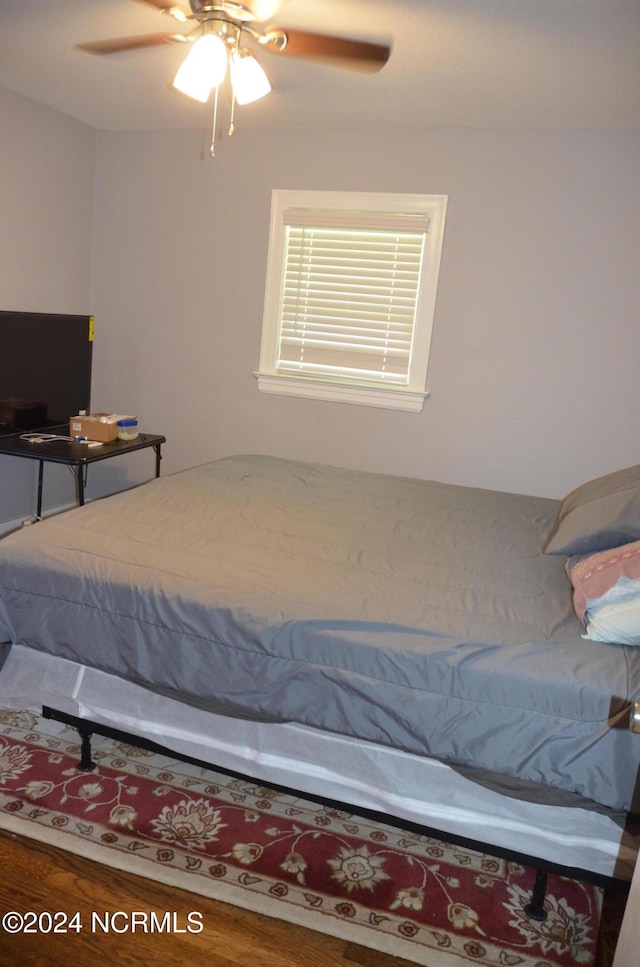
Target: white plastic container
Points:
(128, 429)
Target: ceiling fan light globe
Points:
(203, 68)
(249, 80)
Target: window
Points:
(350, 296)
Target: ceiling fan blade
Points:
(355, 54)
(119, 44)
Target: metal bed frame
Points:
(534, 909)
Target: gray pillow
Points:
(600, 514)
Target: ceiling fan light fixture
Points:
(248, 78)
(203, 68)
(221, 26)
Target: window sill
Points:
(393, 398)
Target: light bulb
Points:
(249, 80)
(203, 68)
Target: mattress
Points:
(416, 615)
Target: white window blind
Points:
(350, 296)
(350, 292)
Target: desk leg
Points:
(80, 484)
(39, 496)
(157, 447)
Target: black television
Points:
(45, 369)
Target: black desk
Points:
(73, 454)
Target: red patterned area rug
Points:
(232, 840)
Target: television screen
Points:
(45, 369)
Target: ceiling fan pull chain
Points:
(212, 149)
(232, 121)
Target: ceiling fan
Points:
(217, 43)
(243, 17)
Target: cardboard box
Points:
(101, 427)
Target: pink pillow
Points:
(593, 576)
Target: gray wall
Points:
(536, 337)
(47, 177)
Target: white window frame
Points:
(408, 396)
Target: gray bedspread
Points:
(415, 614)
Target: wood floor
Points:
(35, 877)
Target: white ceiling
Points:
(454, 63)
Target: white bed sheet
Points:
(354, 772)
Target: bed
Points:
(459, 658)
